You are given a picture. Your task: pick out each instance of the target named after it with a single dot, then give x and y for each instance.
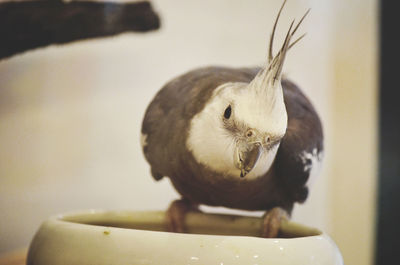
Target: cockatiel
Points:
(242, 138)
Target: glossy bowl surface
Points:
(121, 238)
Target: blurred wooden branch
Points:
(17, 257)
(32, 24)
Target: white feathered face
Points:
(253, 113)
(256, 119)
(239, 130)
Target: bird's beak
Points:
(246, 157)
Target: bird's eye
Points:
(228, 112)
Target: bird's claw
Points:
(272, 220)
(175, 215)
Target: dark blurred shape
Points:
(388, 215)
(33, 24)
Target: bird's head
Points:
(254, 117)
(248, 120)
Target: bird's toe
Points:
(175, 215)
(272, 222)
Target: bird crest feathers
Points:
(272, 70)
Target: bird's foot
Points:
(272, 221)
(175, 215)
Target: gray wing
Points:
(166, 122)
(303, 141)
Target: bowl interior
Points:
(196, 223)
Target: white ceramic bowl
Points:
(122, 238)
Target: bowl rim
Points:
(61, 238)
(198, 223)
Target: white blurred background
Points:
(70, 115)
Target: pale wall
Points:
(354, 141)
(70, 115)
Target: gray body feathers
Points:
(166, 125)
